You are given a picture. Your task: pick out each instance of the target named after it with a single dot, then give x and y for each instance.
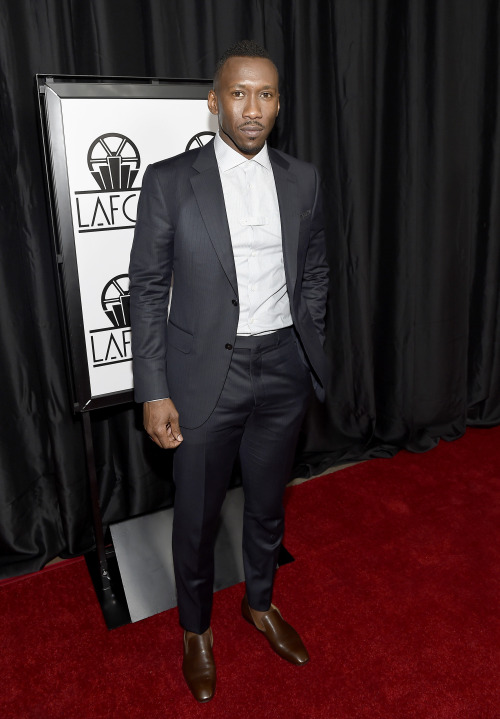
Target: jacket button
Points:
(229, 347)
(235, 303)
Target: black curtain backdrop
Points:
(396, 101)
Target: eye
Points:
(238, 93)
(267, 94)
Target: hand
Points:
(161, 422)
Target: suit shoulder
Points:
(293, 163)
(184, 159)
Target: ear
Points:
(212, 103)
(278, 110)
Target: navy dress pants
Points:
(258, 417)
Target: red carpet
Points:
(395, 590)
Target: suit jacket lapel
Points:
(288, 200)
(207, 188)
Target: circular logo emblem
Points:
(115, 301)
(200, 139)
(113, 161)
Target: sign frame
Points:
(52, 90)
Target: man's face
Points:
(246, 99)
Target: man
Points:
(238, 226)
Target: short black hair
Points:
(243, 48)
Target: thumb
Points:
(176, 430)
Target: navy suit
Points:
(195, 358)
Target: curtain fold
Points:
(397, 104)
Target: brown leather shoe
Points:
(198, 665)
(281, 636)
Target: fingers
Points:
(164, 438)
(174, 430)
(161, 422)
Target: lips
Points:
(251, 130)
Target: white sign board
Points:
(99, 148)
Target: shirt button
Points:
(235, 303)
(229, 347)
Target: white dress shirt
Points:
(254, 223)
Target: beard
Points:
(250, 150)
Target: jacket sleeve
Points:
(315, 277)
(150, 273)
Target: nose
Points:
(252, 107)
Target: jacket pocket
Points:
(180, 339)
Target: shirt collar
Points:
(227, 158)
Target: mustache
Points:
(252, 123)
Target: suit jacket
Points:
(182, 240)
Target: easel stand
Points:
(101, 562)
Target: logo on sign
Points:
(200, 139)
(113, 161)
(111, 345)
